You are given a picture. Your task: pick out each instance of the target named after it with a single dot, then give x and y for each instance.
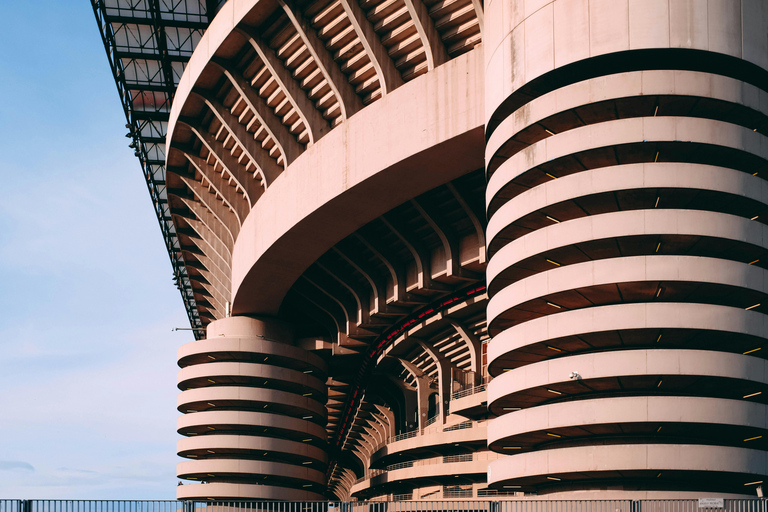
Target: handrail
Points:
(467, 392)
(446, 459)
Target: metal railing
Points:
(10, 505)
(460, 426)
(467, 392)
(395, 503)
(445, 459)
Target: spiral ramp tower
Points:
(256, 416)
(627, 212)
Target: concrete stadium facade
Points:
(448, 250)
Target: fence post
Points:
(26, 506)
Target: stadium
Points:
(436, 249)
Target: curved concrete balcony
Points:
(219, 490)
(228, 422)
(470, 403)
(250, 470)
(246, 348)
(271, 448)
(644, 325)
(670, 372)
(412, 446)
(697, 467)
(638, 278)
(630, 94)
(444, 470)
(657, 419)
(246, 398)
(252, 374)
(653, 133)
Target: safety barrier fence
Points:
(467, 392)
(399, 503)
(443, 459)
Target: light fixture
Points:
(658, 247)
(553, 305)
(553, 391)
(754, 218)
(658, 339)
(211, 380)
(657, 157)
(512, 486)
(553, 435)
(552, 218)
(510, 408)
(211, 451)
(658, 429)
(211, 357)
(306, 417)
(306, 462)
(306, 440)
(513, 448)
(307, 371)
(753, 438)
(753, 262)
(307, 394)
(551, 176)
(656, 111)
(554, 348)
(752, 307)
(753, 394)
(554, 263)
(754, 483)
(549, 131)
(553, 478)
(212, 405)
(659, 384)
(657, 202)
(753, 350)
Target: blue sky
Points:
(87, 356)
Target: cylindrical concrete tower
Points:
(255, 414)
(627, 206)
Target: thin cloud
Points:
(16, 465)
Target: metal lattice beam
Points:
(148, 43)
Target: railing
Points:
(400, 437)
(459, 426)
(431, 420)
(396, 503)
(10, 505)
(467, 392)
(417, 433)
(458, 493)
(468, 457)
(464, 457)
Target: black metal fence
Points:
(507, 505)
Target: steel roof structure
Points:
(148, 43)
